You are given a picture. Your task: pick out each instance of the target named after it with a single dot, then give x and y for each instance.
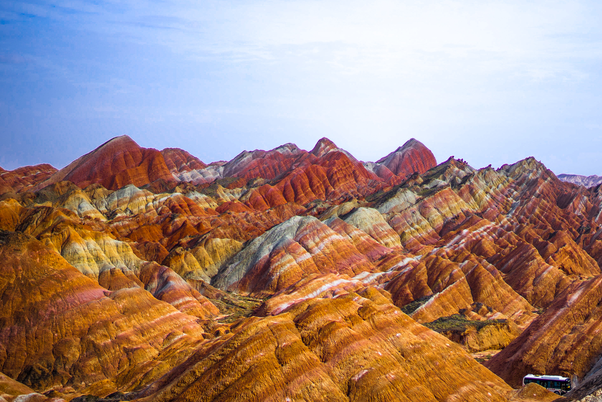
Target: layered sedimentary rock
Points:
(590, 388)
(585, 181)
(61, 330)
(179, 161)
(371, 222)
(325, 173)
(477, 335)
(562, 341)
(116, 163)
(350, 348)
(533, 392)
(10, 390)
(284, 274)
(290, 251)
(249, 165)
(25, 178)
(412, 157)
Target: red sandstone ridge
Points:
(324, 146)
(255, 164)
(121, 161)
(326, 273)
(263, 164)
(24, 178)
(412, 157)
(115, 164)
(326, 172)
(292, 166)
(178, 161)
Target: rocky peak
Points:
(412, 143)
(529, 166)
(585, 181)
(324, 146)
(288, 149)
(121, 143)
(114, 164)
(107, 150)
(413, 156)
(120, 139)
(178, 160)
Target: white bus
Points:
(555, 383)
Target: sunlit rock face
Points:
(61, 329)
(565, 339)
(494, 335)
(297, 274)
(351, 348)
(288, 252)
(372, 222)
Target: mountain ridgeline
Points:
(294, 275)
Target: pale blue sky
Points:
(488, 81)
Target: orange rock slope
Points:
(293, 274)
(63, 331)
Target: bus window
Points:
(558, 384)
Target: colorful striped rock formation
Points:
(295, 275)
(23, 179)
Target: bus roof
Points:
(547, 377)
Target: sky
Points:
(491, 82)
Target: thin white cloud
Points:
(367, 74)
(540, 39)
